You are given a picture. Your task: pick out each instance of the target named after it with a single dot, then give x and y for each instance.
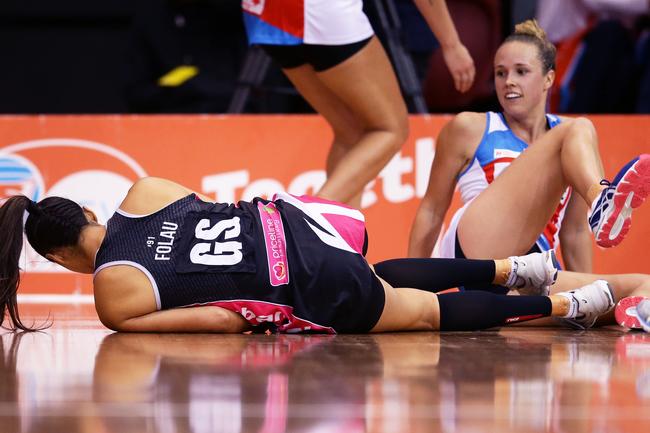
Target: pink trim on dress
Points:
(350, 229)
(258, 312)
(312, 199)
(347, 222)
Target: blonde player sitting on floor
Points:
(528, 178)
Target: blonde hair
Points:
(530, 32)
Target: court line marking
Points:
(55, 299)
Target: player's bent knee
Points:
(403, 130)
(347, 138)
(399, 133)
(583, 124)
(397, 125)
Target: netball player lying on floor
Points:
(535, 173)
(292, 264)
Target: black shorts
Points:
(330, 286)
(460, 254)
(321, 57)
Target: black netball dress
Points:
(294, 263)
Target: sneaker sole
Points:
(625, 313)
(630, 193)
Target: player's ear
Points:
(90, 215)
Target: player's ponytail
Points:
(11, 244)
(529, 31)
(53, 223)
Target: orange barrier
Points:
(94, 159)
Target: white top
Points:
(319, 22)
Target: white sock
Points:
(512, 278)
(573, 305)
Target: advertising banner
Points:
(95, 159)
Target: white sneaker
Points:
(587, 303)
(533, 274)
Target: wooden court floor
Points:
(79, 377)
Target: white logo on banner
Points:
(231, 186)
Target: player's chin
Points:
(513, 106)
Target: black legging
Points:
(435, 275)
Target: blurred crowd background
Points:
(191, 56)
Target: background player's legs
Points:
(362, 102)
(509, 215)
(346, 128)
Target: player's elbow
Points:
(232, 322)
(112, 321)
(113, 325)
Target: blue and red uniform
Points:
(498, 147)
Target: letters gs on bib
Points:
(216, 242)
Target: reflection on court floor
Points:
(80, 377)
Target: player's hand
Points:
(460, 65)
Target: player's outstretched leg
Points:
(407, 309)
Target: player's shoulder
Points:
(465, 129)
(150, 194)
(468, 123)
(152, 185)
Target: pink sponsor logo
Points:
(276, 245)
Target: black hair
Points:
(53, 223)
(530, 32)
